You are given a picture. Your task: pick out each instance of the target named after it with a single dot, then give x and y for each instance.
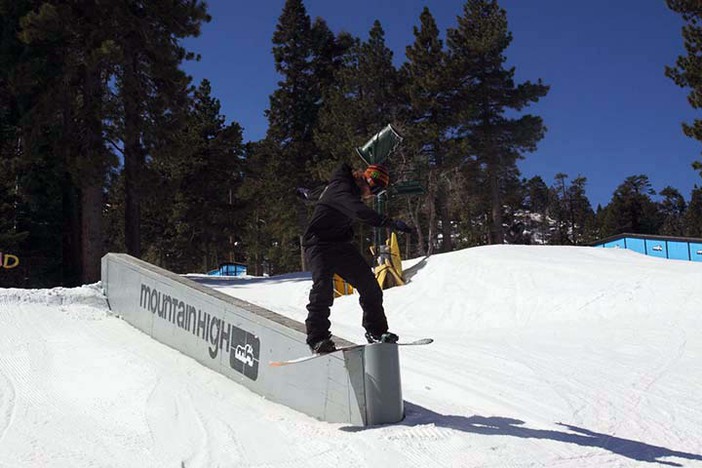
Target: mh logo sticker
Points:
(244, 353)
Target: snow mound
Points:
(84, 302)
(519, 286)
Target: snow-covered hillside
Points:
(544, 356)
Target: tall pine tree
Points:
(361, 101)
(147, 38)
(427, 116)
(693, 214)
(11, 233)
(485, 93)
(537, 201)
(672, 209)
(687, 72)
(631, 209)
(202, 171)
(68, 54)
(306, 55)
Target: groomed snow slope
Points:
(544, 356)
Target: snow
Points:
(543, 356)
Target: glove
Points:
(398, 225)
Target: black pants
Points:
(346, 261)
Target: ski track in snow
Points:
(543, 357)
(7, 405)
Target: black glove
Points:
(398, 225)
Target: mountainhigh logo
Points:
(243, 347)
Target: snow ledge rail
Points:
(237, 339)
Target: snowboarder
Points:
(328, 250)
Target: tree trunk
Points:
(442, 208)
(432, 211)
(133, 159)
(91, 232)
(94, 164)
(496, 232)
(71, 242)
(301, 226)
(71, 239)
(414, 214)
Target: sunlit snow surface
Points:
(543, 356)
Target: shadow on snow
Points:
(417, 415)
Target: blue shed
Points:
(229, 269)
(675, 248)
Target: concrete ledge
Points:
(238, 339)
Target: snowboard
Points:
(423, 341)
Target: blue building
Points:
(229, 269)
(675, 248)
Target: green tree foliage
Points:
(631, 209)
(697, 165)
(571, 211)
(692, 218)
(306, 55)
(11, 236)
(291, 117)
(202, 172)
(426, 113)
(672, 209)
(361, 101)
(584, 219)
(149, 81)
(581, 217)
(86, 78)
(687, 72)
(537, 201)
(484, 96)
(58, 58)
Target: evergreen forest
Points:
(107, 145)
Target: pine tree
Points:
(581, 214)
(256, 235)
(147, 35)
(485, 92)
(516, 226)
(538, 202)
(693, 214)
(359, 103)
(631, 209)
(687, 72)
(10, 236)
(560, 209)
(426, 111)
(62, 60)
(292, 106)
(672, 209)
(306, 56)
(203, 173)
(291, 117)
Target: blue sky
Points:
(611, 112)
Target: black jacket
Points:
(338, 207)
